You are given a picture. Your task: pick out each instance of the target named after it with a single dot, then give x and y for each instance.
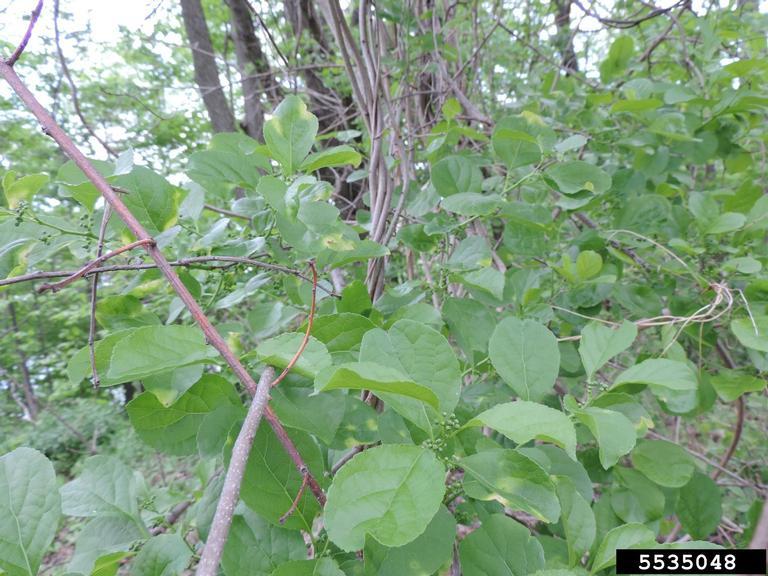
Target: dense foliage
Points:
(538, 329)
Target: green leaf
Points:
(588, 264)
(280, 350)
(256, 548)
(163, 555)
(375, 377)
(727, 222)
(101, 539)
(636, 105)
(626, 536)
(577, 175)
(173, 429)
(635, 498)
(123, 311)
(420, 352)
(105, 487)
(524, 421)
(451, 108)
(619, 55)
(731, 384)
(151, 199)
(488, 281)
(271, 481)
(526, 356)
(318, 414)
(318, 567)
(332, 158)
(219, 171)
(754, 336)
(500, 547)
(571, 143)
(514, 147)
(664, 462)
(420, 557)
(513, 479)
(471, 253)
(79, 366)
(471, 324)
(168, 386)
(600, 343)
(30, 508)
(22, 189)
(699, 506)
(578, 520)
(390, 493)
(109, 564)
(360, 425)
(456, 175)
(290, 133)
(560, 464)
(614, 432)
(671, 381)
(342, 333)
(154, 349)
(472, 203)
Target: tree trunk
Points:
(26, 381)
(255, 73)
(564, 38)
(206, 70)
(324, 102)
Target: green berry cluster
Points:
(437, 444)
(19, 212)
(450, 423)
(85, 221)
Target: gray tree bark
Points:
(206, 69)
(255, 73)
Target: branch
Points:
(296, 500)
(310, 321)
(94, 293)
(51, 128)
(630, 23)
(740, 411)
(72, 85)
(172, 517)
(27, 35)
(94, 263)
(192, 261)
(230, 492)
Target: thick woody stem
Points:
(230, 492)
(51, 128)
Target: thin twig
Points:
(296, 500)
(184, 262)
(72, 86)
(94, 292)
(346, 458)
(310, 321)
(94, 263)
(172, 517)
(740, 413)
(27, 35)
(230, 492)
(226, 212)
